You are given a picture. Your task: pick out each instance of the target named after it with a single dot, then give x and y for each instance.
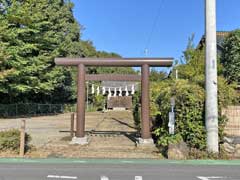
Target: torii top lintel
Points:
(123, 62)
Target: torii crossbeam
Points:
(144, 63)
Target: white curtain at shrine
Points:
(120, 91)
(126, 89)
(109, 93)
(115, 92)
(133, 89)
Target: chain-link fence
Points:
(33, 109)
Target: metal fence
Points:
(33, 109)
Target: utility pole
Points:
(211, 106)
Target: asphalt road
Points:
(121, 171)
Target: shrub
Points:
(10, 140)
(189, 109)
(227, 94)
(98, 102)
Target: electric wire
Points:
(149, 38)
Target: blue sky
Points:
(127, 27)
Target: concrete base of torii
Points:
(145, 142)
(80, 140)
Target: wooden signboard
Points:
(120, 102)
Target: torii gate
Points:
(144, 63)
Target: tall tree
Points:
(32, 33)
(3, 55)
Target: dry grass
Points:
(111, 136)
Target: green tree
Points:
(110, 70)
(193, 70)
(3, 55)
(157, 76)
(32, 33)
(231, 57)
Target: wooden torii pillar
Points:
(144, 63)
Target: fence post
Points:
(16, 110)
(22, 138)
(72, 125)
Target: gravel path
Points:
(112, 135)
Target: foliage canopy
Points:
(32, 34)
(231, 57)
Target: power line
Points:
(153, 28)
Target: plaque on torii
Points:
(144, 63)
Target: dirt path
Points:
(111, 135)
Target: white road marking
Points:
(104, 178)
(209, 178)
(138, 178)
(61, 177)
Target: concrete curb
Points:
(118, 161)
